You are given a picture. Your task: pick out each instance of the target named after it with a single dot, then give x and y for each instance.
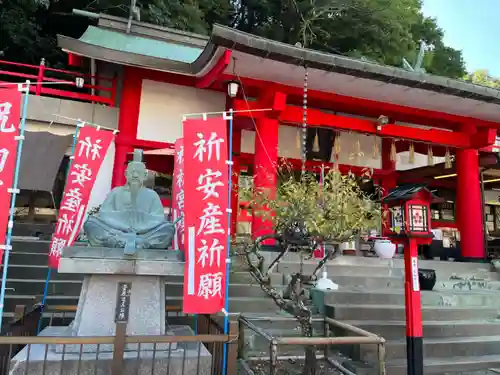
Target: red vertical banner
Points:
(178, 195)
(90, 149)
(206, 183)
(10, 113)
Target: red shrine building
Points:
(401, 126)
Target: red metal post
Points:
(414, 332)
(39, 80)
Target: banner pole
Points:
(49, 271)
(8, 242)
(228, 254)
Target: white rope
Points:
(225, 112)
(86, 123)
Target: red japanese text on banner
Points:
(205, 215)
(10, 112)
(91, 148)
(178, 194)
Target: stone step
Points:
(73, 287)
(36, 272)
(239, 304)
(438, 348)
(28, 258)
(431, 298)
(12, 300)
(397, 262)
(30, 271)
(32, 229)
(279, 321)
(236, 304)
(23, 271)
(452, 365)
(395, 330)
(443, 271)
(371, 282)
(396, 312)
(30, 246)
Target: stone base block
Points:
(97, 306)
(192, 359)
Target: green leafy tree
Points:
(383, 31)
(305, 213)
(482, 77)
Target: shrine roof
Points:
(407, 192)
(159, 48)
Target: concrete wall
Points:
(42, 116)
(163, 105)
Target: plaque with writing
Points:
(123, 302)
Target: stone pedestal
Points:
(104, 270)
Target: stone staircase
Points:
(461, 325)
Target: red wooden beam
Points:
(366, 107)
(213, 74)
(294, 116)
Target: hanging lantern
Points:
(357, 151)
(411, 153)
(316, 142)
(298, 139)
(394, 152)
(376, 148)
(336, 145)
(430, 157)
(447, 159)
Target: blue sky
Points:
(472, 26)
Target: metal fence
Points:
(61, 83)
(21, 352)
(322, 345)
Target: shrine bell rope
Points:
(14, 191)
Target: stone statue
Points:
(131, 216)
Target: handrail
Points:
(363, 337)
(41, 74)
(256, 329)
(353, 329)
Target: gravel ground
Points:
(291, 367)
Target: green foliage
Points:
(335, 211)
(382, 31)
(482, 77)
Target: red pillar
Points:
(265, 172)
(389, 181)
(127, 122)
(469, 205)
(235, 180)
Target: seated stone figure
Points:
(131, 216)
